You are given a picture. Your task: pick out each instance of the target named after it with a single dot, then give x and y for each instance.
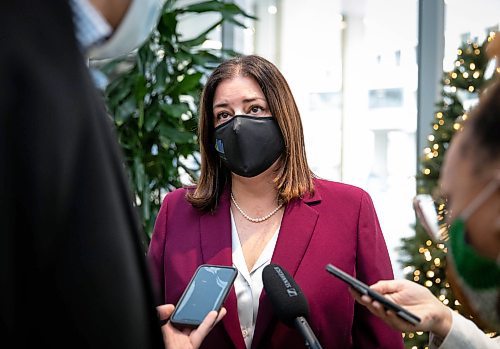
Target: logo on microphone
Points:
(292, 292)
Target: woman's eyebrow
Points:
(245, 101)
(253, 99)
(220, 105)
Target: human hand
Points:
(435, 316)
(187, 338)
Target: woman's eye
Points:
(256, 109)
(222, 115)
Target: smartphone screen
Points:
(425, 208)
(362, 288)
(206, 291)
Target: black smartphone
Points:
(206, 291)
(365, 289)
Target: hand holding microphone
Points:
(288, 301)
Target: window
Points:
(385, 98)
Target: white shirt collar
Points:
(90, 26)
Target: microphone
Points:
(288, 301)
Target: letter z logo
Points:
(292, 292)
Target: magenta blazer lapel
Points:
(295, 234)
(217, 249)
(296, 231)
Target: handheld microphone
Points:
(288, 301)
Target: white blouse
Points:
(248, 285)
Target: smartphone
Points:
(206, 291)
(424, 206)
(365, 289)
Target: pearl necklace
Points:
(258, 219)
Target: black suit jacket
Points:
(72, 266)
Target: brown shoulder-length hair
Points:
(293, 178)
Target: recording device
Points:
(288, 302)
(206, 291)
(362, 288)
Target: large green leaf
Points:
(170, 135)
(140, 88)
(226, 9)
(200, 39)
(234, 21)
(125, 110)
(118, 90)
(205, 59)
(175, 110)
(151, 119)
(139, 173)
(167, 26)
(188, 83)
(206, 6)
(162, 78)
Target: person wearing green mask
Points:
(470, 182)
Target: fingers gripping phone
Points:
(206, 291)
(362, 288)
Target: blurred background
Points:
(381, 86)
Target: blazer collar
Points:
(315, 197)
(216, 248)
(297, 226)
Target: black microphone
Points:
(288, 301)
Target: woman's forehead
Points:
(239, 87)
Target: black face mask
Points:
(249, 145)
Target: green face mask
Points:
(477, 277)
(478, 271)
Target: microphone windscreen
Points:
(286, 297)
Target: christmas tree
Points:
(425, 260)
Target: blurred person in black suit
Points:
(72, 266)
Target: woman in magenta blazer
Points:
(257, 202)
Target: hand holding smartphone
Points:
(206, 291)
(362, 288)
